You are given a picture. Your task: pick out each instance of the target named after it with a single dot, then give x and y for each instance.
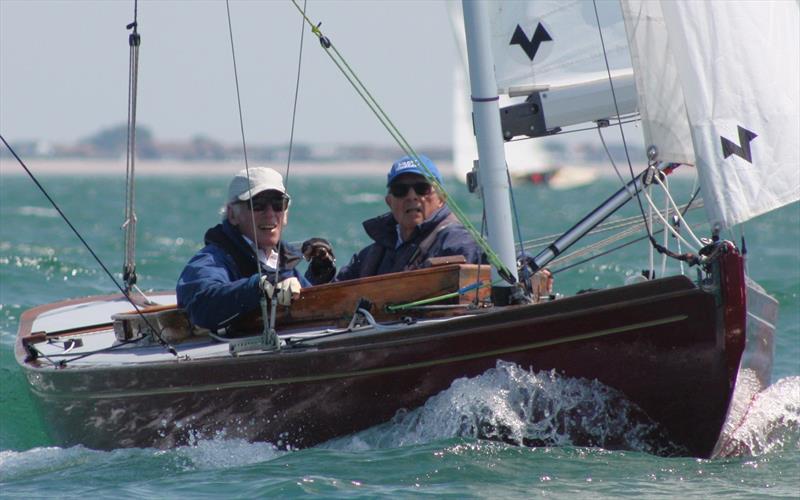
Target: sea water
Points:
(434, 450)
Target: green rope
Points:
(462, 291)
(401, 141)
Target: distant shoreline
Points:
(116, 168)
(9, 166)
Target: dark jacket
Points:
(220, 283)
(384, 256)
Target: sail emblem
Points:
(743, 151)
(530, 46)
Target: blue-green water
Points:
(418, 454)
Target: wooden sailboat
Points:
(349, 356)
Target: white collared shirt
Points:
(270, 262)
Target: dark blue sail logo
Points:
(743, 151)
(530, 46)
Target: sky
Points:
(64, 69)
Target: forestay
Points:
(737, 67)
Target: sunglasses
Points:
(400, 189)
(278, 204)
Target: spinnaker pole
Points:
(492, 173)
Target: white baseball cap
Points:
(260, 179)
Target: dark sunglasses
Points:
(278, 204)
(400, 189)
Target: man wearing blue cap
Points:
(418, 226)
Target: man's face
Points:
(269, 215)
(412, 207)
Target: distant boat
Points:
(688, 351)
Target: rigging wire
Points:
(543, 241)
(665, 240)
(268, 319)
(296, 94)
(616, 108)
(129, 224)
(129, 272)
(383, 118)
(291, 144)
(160, 339)
(525, 278)
(238, 94)
(688, 206)
(674, 205)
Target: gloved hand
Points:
(285, 292)
(266, 286)
(541, 284)
(319, 253)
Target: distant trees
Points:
(112, 142)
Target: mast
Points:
(493, 176)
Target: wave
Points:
(38, 212)
(768, 422)
(521, 407)
(359, 198)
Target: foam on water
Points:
(767, 421)
(221, 452)
(521, 407)
(359, 198)
(38, 212)
(206, 454)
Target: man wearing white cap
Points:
(226, 279)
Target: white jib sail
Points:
(661, 102)
(739, 67)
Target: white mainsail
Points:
(738, 74)
(556, 43)
(523, 158)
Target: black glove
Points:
(319, 253)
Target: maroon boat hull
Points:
(661, 343)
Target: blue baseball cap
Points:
(407, 165)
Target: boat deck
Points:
(81, 334)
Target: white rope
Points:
(632, 228)
(129, 225)
(600, 244)
(665, 243)
(651, 251)
(668, 226)
(680, 217)
(635, 220)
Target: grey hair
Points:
(235, 207)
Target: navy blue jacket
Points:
(220, 283)
(384, 256)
